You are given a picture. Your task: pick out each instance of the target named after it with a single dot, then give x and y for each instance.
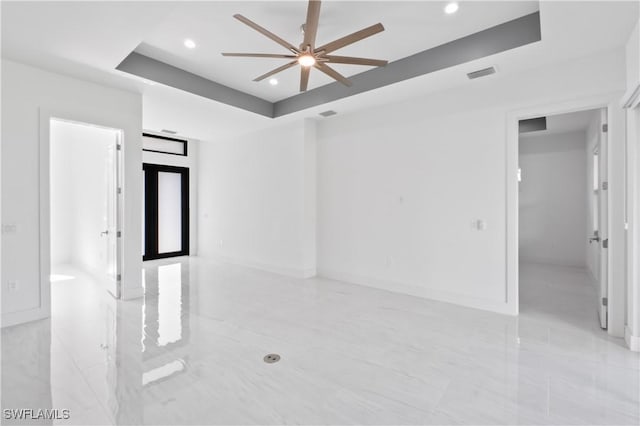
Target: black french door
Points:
(166, 211)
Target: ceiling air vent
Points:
(533, 125)
(171, 132)
(481, 73)
(328, 113)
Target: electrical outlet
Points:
(12, 286)
(479, 225)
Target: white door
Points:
(603, 221)
(110, 234)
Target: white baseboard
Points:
(129, 293)
(268, 267)
(500, 307)
(14, 318)
(633, 342)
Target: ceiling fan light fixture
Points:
(306, 60)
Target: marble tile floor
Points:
(191, 352)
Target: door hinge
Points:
(605, 301)
(605, 128)
(119, 234)
(118, 277)
(118, 147)
(605, 243)
(605, 186)
(119, 190)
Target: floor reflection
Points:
(26, 373)
(190, 352)
(165, 307)
(163, 372)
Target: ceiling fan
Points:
(309, 55)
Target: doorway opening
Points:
(85, 187)
(562, 218)
(165, 212)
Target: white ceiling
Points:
(410, 27)
(101, 33)
(88, 39)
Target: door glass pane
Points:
(144, 212)
(169, 212)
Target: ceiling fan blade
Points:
(333, 73)
(356, 61)
(266, 33)
(304, 78)
(311, 26)
(351, 38)
(276, 71)
(259, 55)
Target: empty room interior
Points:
(306, 212)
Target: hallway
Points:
(560, 296)
(350, 354)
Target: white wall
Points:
(633, 57)
(78, 173)
(191, 162)
(257, 199)
(400, 186)
(62, 200)
(553, 199)
(29, 96)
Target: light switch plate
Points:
(10, 228)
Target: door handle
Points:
(104, 233)
(596, 238)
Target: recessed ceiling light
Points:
(451, 8)
(189, 44)
(273, 82)
(306, 60)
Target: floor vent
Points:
(328, 113)
(271, 358)
(481, 73)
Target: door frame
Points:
(151, 228)
(44, 201)
(606, 100)
(631, 104)
(602, 149)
